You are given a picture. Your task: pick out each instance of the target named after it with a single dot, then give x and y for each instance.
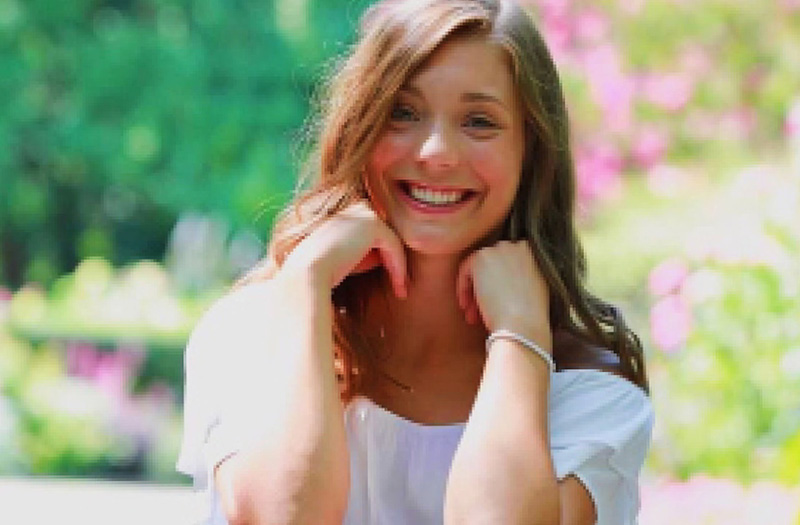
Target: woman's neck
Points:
(427, 330)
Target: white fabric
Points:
(600, 427)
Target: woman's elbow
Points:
(247, 498)
(234, 494)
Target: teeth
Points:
(435, 197)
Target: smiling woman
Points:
(447, 168)
(419, 345)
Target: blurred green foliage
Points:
(115, 116)
(733, 384)
(57, 422)
(107, 305)
(737, 387)
(106, 308)
(91, 373)
(713, 288)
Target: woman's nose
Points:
(438, 149)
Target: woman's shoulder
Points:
(592, 384)
(239, 305)
(601, 425)
(242, 316)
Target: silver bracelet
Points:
(530, 345)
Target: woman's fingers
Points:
(502, 286)
(370, 261)
(353, 241)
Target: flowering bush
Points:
(668, 101)
(92, 374)
(137, 302)
(725, 319)
(655, 85)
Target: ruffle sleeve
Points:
(600, 429)
(225, 357)
(205, 442)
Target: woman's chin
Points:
(437, 245)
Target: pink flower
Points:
(591, 25)
(667, 277)
(557, 32)
(737, 124)
(116, 371)
(670, 323)
(82, 359)
(111, 378)
(556, 26)
(631, 7)
(610, 87)
(696, 62)
(553, 7)
(5, 302)
(649, 147)
(790, 6)
(670, 92)
(598, 167)
(791, 126)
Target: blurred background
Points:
(146, 145)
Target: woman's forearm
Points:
(502, 471)
(295, 467)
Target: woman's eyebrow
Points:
(469, 96)
(410, 89)
(472, 96)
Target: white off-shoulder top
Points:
(600, 428)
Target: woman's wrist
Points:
(529, 344)
(538, 332)
(308, 276)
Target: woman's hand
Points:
(352, 241)
(502, 285)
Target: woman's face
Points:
(445, 170)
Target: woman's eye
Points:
(402, 113)
(481, 122)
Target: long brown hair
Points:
(396, 37)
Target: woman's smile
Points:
(427, 198)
